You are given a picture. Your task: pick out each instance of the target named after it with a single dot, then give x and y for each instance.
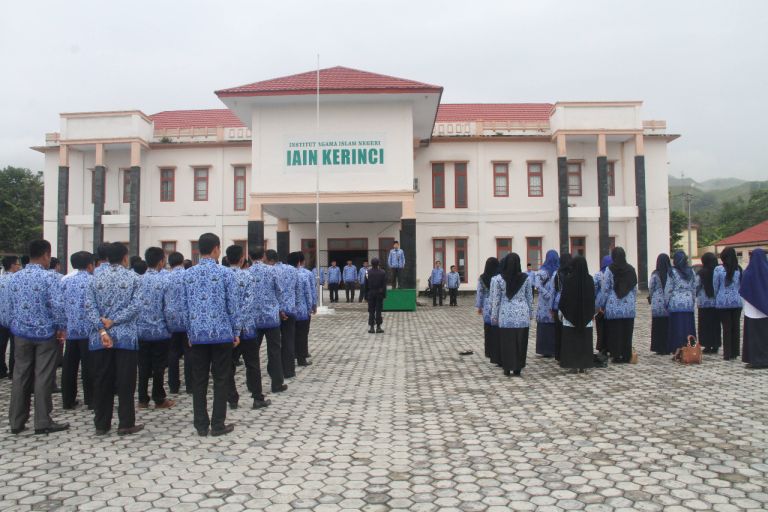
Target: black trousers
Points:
(349, 290)
(302, 340)
(618, 337)
(233, 397)
(375, 306)
(6, 338)
(396, 283)
(250, 350)
(288, 346)
(76, 355)
(437, 294)
(207, 359)
(729, 318)
(452, 294)
(178, 348)
(114, 369)
(274, 355)
(333, 291)
(153, 358)
(363, 291)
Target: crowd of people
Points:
(572, 304)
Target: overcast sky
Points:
(701, 65)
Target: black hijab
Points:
(512, 273)
(663, 267)
(730, 263)
(577, 301)
(624, 275)
(707, 272)
(562, 272)
(491, 269)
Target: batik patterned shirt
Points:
(350, 274)
(114, 294)
(73, 292)
(35, 297)
(176, 301)
(453, 280)
(265, 309)
(482, 302)
(152, 323)
(396, 258)
(309, 277)
(545, 284)
(304, 298)
(334, 275)
(288, 279)
(617, 308)
(658, 302)
(362, 275)
(507, 313)
(679, 294)
(727, 295)
(213, 317)
(702, 299)
(5, 304)
(437, 277)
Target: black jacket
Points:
(377, 283)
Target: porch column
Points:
(255, 228)
(562, 193)
(62, 231)
(283, 239)
(602, 194)
(642, 220)
(134, 216)
(98, 197)
(408, 244)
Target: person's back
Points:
(377, 282)
(114, 294)
(152, 323)
(175, 301)
(266, 308)
(212, 316)
(34, 295)
(73, 291)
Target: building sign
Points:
(341, 152)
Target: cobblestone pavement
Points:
(402, 421)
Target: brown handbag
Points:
(690, 353)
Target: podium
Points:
(401, 299)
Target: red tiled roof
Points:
(336, 80)
(196, 119)
(757, 233)
(494, 112)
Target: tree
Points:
(678, 222)
(21, 208)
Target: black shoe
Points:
(507, 373)
(102, 431)
(379, 330)
(516, 373)
(130, 430)
(303, 362)
(55, 427)
(3, 374)
(309, 355)
(260, 404)
(72, 406)
(56, 389)
(203, 432)
(371, 331)
(222, 431)
(174, 391)
(289, 376)
(233, 405)
(17, 431)
(280, 389)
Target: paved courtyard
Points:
(402, 421)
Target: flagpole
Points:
(321, 310)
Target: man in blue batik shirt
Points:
(305, 307)
(396, 263)
(362, 278)
(289, 285)
(10, 266)
(452, 282)
(76, 354)
(334, 278)
(437, 281)
(38, 325)
(214, 324)
(176, 319)
(102, 257)
(349, 276)
(154, 335)
(111, 306)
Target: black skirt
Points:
(513, 343)
(493, 344)
(659, 334)
(487, 338)
(545, 338)
(618, 336)
(709, 329)
(600, 333)
(755, 351)
(576, 350)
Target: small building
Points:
(746, 241)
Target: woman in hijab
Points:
(618, 304)
(577, 308)
(484, 306)
(562, 274)
(512, 310)
(545, 322)
(754, 292)
(680, 299)
(599, 317)
(709, 320)
(659, 312)
(727, 282)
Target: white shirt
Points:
(751, 311)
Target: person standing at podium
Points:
(396, 263)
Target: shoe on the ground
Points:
(130, 430)
(102, 431)
(516, 373)
(174, 391)
(188, 391)
(233, 405)
(371, 331)
(165, 404)
(280, 389)
(506, 372)
(142, 405)
(379, 330)
(303, 362)
(72, 407)
(309, 355)
(203, 432)
(222, 431)
(54, 427)
(17, 431)
(260, 404)
(56, 389)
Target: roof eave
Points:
(227, 93)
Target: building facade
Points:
(452, 182)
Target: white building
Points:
(454, 182)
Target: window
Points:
(195, 252)
(574, 178)
(611, 172)
(501, 179)
(201, 183)
(535, 179)
(93, 186)
(438, 185)
(460, 177)
(168, 247)
(578, 246)
(503, 247)
(460, 252)
(438, 250)
(308, 247)
(239, 188)
(126, 185)
(611, 243)
(533, 252)
(385, 245)
(167, 185)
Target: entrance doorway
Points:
(344, 249)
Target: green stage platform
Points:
(400, 300)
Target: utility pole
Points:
(688, 199)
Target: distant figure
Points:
(577, 309)
(453, 280)
(349, 276)
(659, 311)
(377, 292)
(727, 282)
(680, 298)
(436, 282)
(618, 303)
(396, 263)
(334, 278)
(11, 265)
(709, 321)
(362, 277)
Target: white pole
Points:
(320, 308)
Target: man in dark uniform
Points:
(377, 291)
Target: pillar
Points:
(134, 215)
(283, 239)
(562, 193)
(98, 197)
(255, 228)
(642, 219)
(408, 245)
(602, 194)
(62, 231)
